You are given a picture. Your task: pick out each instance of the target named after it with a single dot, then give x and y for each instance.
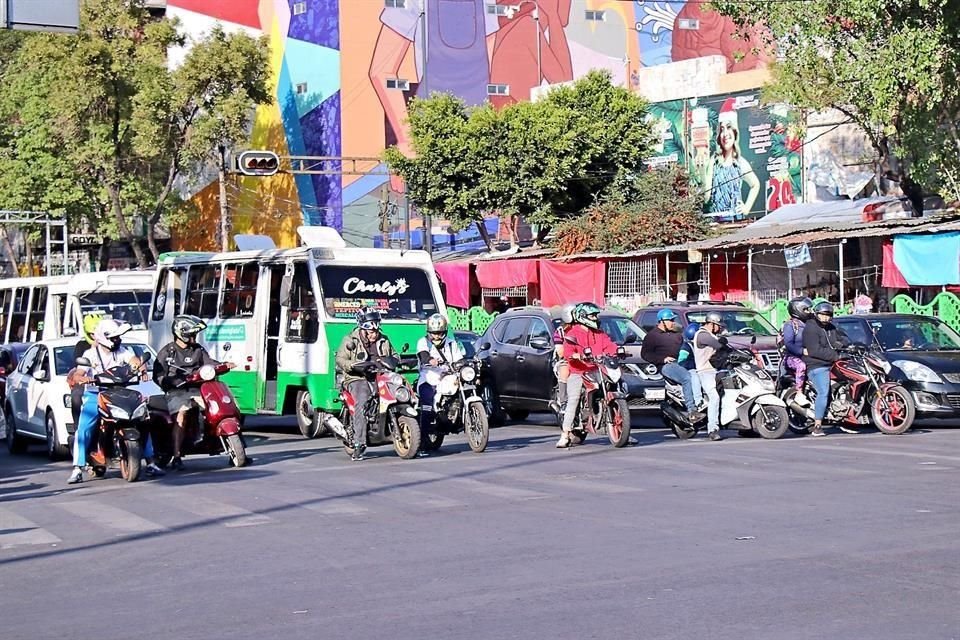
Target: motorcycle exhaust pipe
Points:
(674, 414)
(801, 410)
(333, 423)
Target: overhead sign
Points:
(62, 16)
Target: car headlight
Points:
(468, 374)
(916, 371)
(402, 394)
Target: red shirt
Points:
(598, 342)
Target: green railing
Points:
(945, 306)
(474, 319)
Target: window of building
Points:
(203, 288)
(594, 15)
(498, 9)
(689, 24)
(395, 4)
(299, 8)
(239, 290)
(301, 88)
(498, 89)
(398, 83)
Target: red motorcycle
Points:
(603, 406)
(219, 420)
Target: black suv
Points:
(741, 325)
(517, 355)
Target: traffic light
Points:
(258, 163)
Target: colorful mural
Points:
(343, 72)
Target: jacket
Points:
(792, 333)
(174, 363)
(658, 345)
(598, 342)
(353, 350)
(821, 344)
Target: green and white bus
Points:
(280, 315)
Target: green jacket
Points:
(352, 351)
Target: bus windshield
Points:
(122, 306)
(399, 293)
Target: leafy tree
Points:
(891, 67)
(663, 209)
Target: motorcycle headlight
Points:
(140, 412)
(468, 374)
(915, 371)
(402, 394)
(614, 374)
(207, 373)
(118, 413)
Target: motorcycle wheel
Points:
(99, 471)
(433, 441)
(236, 450)
(619, 428)
(800, 425)
(477, 428)
(130, 460)
(774, 425)
(682, 431)
(899, 417)
(406, 437)
(309, 420)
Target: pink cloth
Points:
(499, 274)
(456, 276)
(565, 282)
(891, 274)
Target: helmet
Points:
(437, 328)
(90, 322)
(587, 314)
(691, 330)
(186, 328)
(825, 308)
(368, 319)
(799, 308)
(108, 333)
(713, 317)
(666, 314)
(566, 314)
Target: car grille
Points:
(641, 402)
(771, 360)
(952, 377)
(954, 400)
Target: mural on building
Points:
(746, 158)
(344, 71)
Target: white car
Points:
(37, 406)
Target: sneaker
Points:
(177, 463)
(695, 416)
(76, 476)
(817, 432)
(357, 455)
(564, 440)
(847, 429)
(153, 470)
(715, 436)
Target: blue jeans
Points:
(708, 379)
(89, 415)
(692, 394)
(427, 394)
(820, 379)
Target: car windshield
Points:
(466, 343)
(915, 334)
(64, 361)
(737, 322)
(620, 329)
(398, 293)
(122, 306)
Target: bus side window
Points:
(6, 298)
(38, 307)
(239, 290)
(18, 320)
(303, 324)
(203, 287)
(64, 324)
(160, 296)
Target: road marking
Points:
(907, 454)
(232, 515)
(17, 531)
(109, 516)
(474, 486)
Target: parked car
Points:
(37, 406)
(741, 325)
(517, 353)
(925, 349)
(10, 355)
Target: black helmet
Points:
(799, 308)
(825, 308)
(186, 327)
(368, 319)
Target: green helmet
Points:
(90, 323)
(587, 314)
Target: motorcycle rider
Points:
(433, 351)
(76, 379)
(686, 360)
(584, 334)
(661, 348)
(792, 335)
(821, 347)
(561, 366)
(176, 361)
(365, 344)
(705, 346)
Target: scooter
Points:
(602, 407)
(217, 429)
(748, 400)
(458, 408)
(391, 412)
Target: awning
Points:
(456, 277)
(499, 274)
(565, 282)
(928, 260)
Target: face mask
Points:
(114, 344)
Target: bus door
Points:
(300, 327)
(271, 278)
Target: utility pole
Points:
(224, 207)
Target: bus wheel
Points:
(308, 418)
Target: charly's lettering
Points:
(358, 285)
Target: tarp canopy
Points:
(565, 282)
(499, 274)
(456, 277)
(928, 260)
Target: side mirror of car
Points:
(83, 362)
(484, 346)
(42, 376)
(630, 339)
(540, 343)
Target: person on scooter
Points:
(560, 365)
(433, 350)
(362, 346)
(76, 378)
(686, 360)
(661, 347)
(176, 361)
(792, 335)
(585, 334)
(821, 347)
(705, 346)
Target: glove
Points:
(723, 340)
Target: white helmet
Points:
(108, 333)
(566, 314)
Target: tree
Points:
(97, 125)
(891, 67)
(663, 209)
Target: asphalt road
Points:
(849, 536)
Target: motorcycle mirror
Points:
(588, 352)
(621, 352)
(753, 339)
(405, 347)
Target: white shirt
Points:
(448, 352)
(101, 360)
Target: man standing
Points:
(661, 347)
(705, 345)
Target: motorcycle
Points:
(391, 412)
(748, 400)
(124, 420)
(602, 408)
(859, 385)
(458, 408)
(217, 428)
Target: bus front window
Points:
(398, 293)
(123, 306)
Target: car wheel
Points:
(55, 450)
(15, 442)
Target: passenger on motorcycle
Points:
(822, 342)
(585, 334)
(661, 347)
(705, 346)
(792, 336)
(76, 378)
(686, 360)
(177, 361)
(363, 345)
(434, 351)
(560, 365)
(106, 353)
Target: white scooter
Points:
(748, 401)
(458, 408)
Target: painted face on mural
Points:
(727, 137)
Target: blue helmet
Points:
(666, 314)
(691, 330)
